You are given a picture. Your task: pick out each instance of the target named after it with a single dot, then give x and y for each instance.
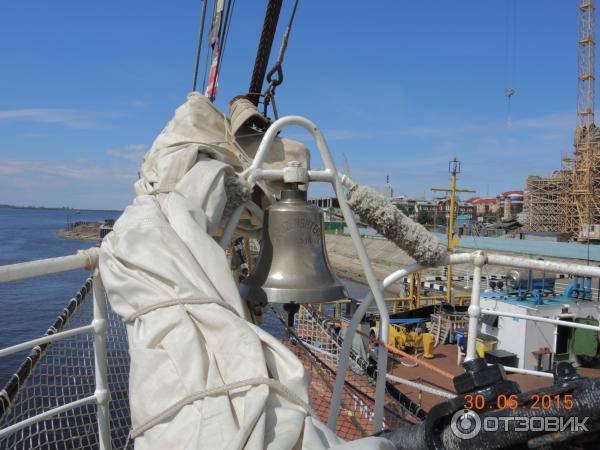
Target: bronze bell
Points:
(292, 265)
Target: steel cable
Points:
(199, 46)
(264, 49)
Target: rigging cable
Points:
(264, 49)
(510, 55)
(269, 96)
(199, 46)
(223, 42)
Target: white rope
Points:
(420, 386)
(183, 302)
(92, 257)
(220, 390)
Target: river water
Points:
(29, 307)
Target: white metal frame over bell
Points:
(328, 175)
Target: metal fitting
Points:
(474, 310)
(346, 181)
(478, 375)
(564, 372)
(478, 258)
(295, 173)
(100, 326)
(102, 396)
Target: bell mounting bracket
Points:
(297, 174)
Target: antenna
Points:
(509, 93)
(346, 165)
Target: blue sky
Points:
(400, 87)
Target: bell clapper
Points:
(291, 309)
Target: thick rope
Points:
(264, 49)
(10, 390)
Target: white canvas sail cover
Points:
(202, 376)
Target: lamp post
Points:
(69, 219)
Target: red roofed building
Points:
(484, 206)
(509, 203)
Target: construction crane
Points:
(508, 94)
(585, 186)
(511, 55)
(586, 59)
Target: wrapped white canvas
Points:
(202, 376)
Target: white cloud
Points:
(132, 152)
(137, 103)
(450, 127)
(78, 183)
(68, 117)
(8, 170)
(553, 121)
(77, 170)
(495, 158)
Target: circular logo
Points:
(465, 424)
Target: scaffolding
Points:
(568, 211)
(586, 184)
(585, 188)
(542, 203)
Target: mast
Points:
(453, 169)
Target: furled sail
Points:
(202, 375)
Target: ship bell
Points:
(292, 266)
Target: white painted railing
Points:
(475, 310)
(478, 260)
(86, 259)
(98, 327)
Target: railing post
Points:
(478, 259)
(418, 289)
(102, 392)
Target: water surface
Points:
(29, 307)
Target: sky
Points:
(398, 87)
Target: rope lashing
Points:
(220, 390)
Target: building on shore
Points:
(332, 214)
(506, 206)
(511, 203)
(437, 209)
(484, 206)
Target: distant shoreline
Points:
(87, 231)
(64, 208)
